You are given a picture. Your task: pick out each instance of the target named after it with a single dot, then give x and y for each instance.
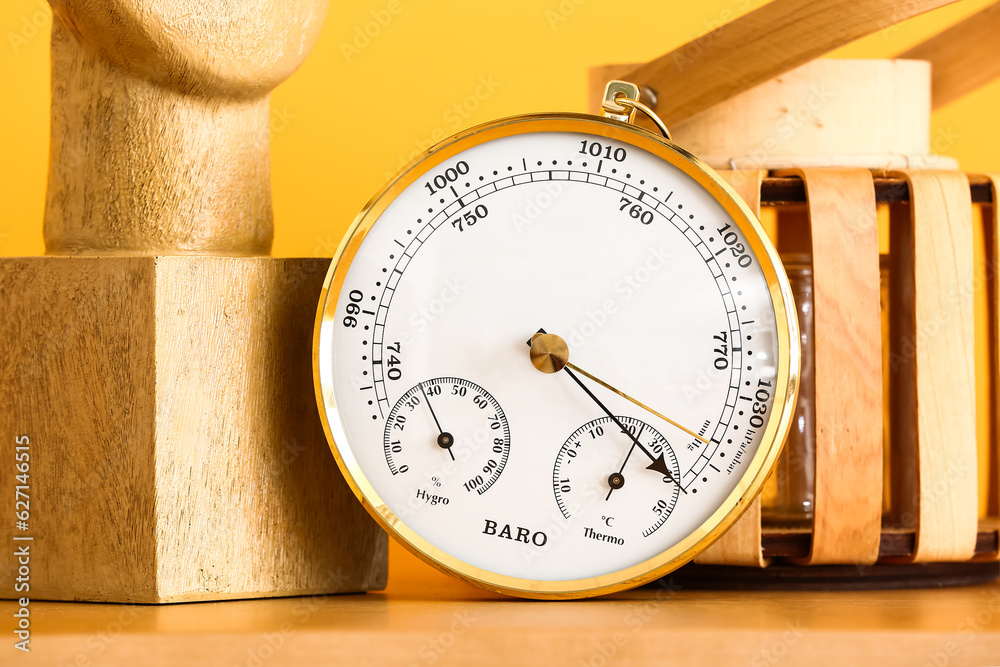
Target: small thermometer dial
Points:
(617, 479)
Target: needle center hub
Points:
(445, 440)
(616, 480)
(549, 353)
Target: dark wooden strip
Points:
(796, 544)
(829, 577)
(777, 191)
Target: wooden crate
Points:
(903, 471)
(942, 477)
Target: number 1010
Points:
(597, 149)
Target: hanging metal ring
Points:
(622, 100)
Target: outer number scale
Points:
(556, 356)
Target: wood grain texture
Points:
(77, 377)
(176, 449)
(825, 113)
(964, 57)
(160, 123)
(180, 455)
(760, 45)
(848, 366)
(445, 623)
(932, 358)
(741, 544)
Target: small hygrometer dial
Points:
(446, 437)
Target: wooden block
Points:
(177, 452)
(741, 544)
(176, 449)
(848, 366)
(932, 358)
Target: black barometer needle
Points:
(658, 464)
(617, 480)
(544, 359)
(444, 440)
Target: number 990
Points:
(350, 321)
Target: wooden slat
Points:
(847, 352)
(760, 45)
(933, 360)
(741, 545)
(963, 57)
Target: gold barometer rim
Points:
(775, 431)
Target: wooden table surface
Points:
(425, 618)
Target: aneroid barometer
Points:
(556, 356)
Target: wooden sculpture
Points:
(157, 360)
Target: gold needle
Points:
(637, 402)
(550, 354)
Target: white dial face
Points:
(540, 476)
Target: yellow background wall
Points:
(435, 67)
(421, 76)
